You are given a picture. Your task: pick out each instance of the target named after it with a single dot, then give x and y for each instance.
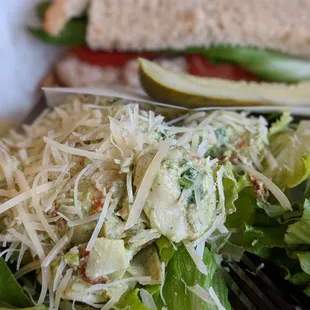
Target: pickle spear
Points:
(190, 91)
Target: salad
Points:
(111, 204)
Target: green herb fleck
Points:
(191, 198)
(221, 134)
(188, 178)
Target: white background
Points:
(23, 59)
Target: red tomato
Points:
(199, 66)
(108, 59)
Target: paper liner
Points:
(57, 96)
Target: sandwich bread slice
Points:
(230, 39)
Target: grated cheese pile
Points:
(73, 167)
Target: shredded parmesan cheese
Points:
(200, 292)
(58, 275)
(55, 251)
(276, 191)
(100, 221)
(196, 258)
(44, 286)
(62, 286)
(24, 196)
(147, 299)
(129, 187)
(102, 287)
(216, 299)
(146, 184)
(116, 297)
(77, 204)
(73, 151)
(163, 275)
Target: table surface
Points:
(23, 59)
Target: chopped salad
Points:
(109, 204)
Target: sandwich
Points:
(267, 40)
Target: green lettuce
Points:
(258, 237)
(241, 200)
(293, 159)
(245, 208)
(131, 301)
(73, 34)
(41, 9)
(10, 290)
(279, 141)
(39, 307)
(300, 278)
(298, 233)
(307, 290)
(304, 260)
(165, 249)
(281, 124)
(180, 270)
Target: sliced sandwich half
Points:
(231, 39)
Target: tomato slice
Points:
(197, 64)
(109, 59)
(200, 66)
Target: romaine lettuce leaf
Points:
(304, 260)
(294, 159)
(39, 307)
(165, 249)
(300, 278)
(10, 290)
(231, 187)
(242, 199)
(260, 237)
(231, 252)
(279, 141)
(307, 290)
(298, 233)
(280, 124)
(245, 208)
(181, 269)
(131, 300)
(262, 219)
